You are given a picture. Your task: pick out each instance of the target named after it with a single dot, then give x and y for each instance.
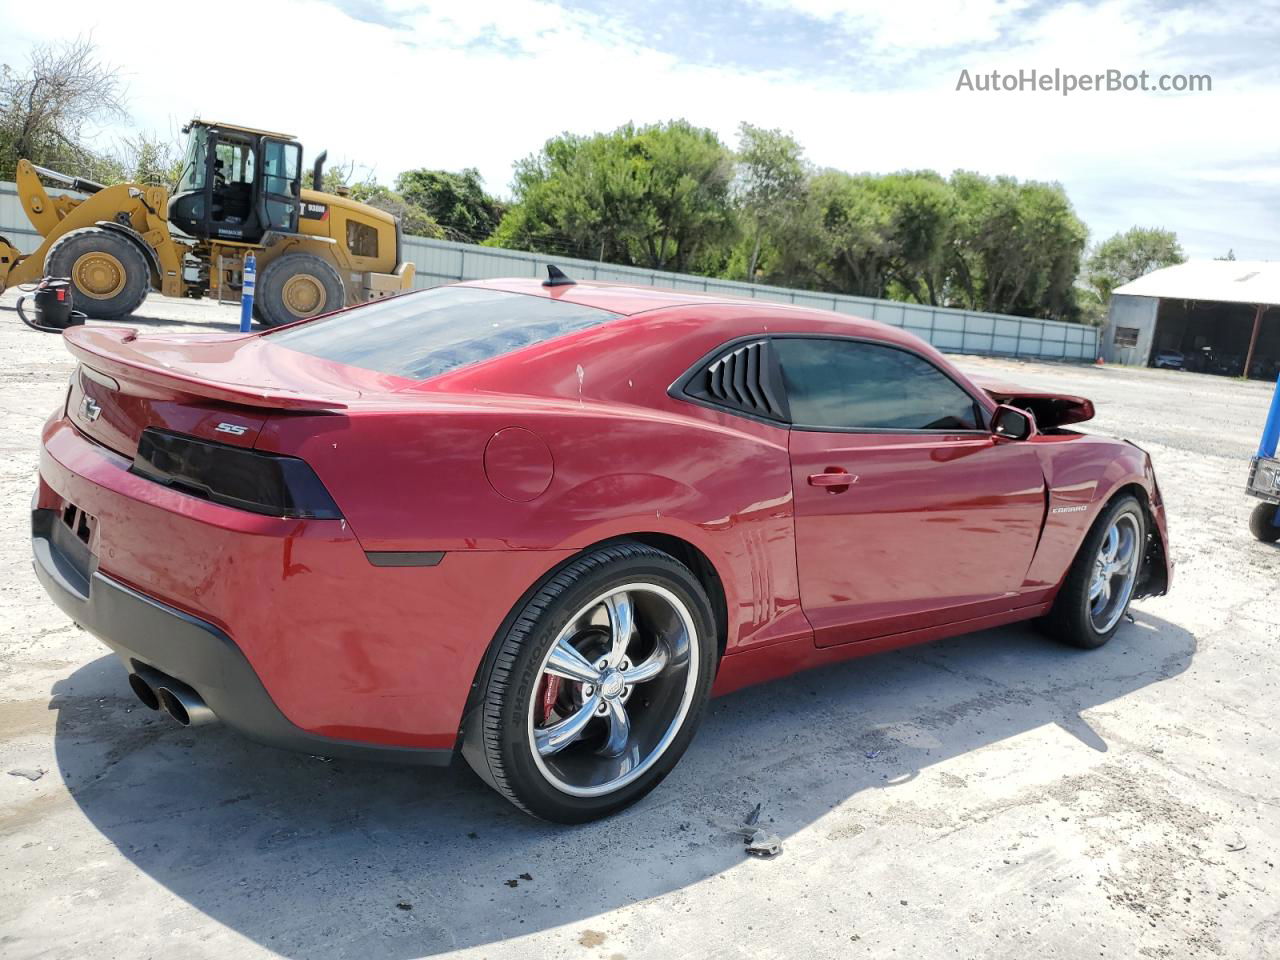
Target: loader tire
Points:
(110, 275)
(296, 286)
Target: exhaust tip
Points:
(185, 706)
(143, 691)
(174, 708)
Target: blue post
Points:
(246, 293)
(1271, 432)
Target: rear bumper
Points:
(144, 632)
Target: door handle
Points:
(832, 477)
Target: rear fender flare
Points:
(586, 543)
(648, 497)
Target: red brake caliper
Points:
(548, 692)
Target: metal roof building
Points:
(1217, 314)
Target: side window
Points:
(280, 167)
(362, 239)
(232, 163)
(848, 384)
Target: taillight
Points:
(268, 483)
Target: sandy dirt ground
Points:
(993, 796)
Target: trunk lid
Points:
(219, 387)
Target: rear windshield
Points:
(421, 335)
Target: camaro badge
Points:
(89, 409)
(1077, 509)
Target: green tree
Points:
(872, 236)
(579, 197)
(1129, 255)
(922, 227)
(455, 201)
(655, 196)
(841, 242)
(1017, 247)
(770, 186)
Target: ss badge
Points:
(232, 428)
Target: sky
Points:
(864, 85)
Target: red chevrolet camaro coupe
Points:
(539, 524)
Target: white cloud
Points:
(897, 26)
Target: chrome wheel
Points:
(613, 690)
(1115, 569)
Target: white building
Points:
(1221, 315)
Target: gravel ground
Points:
(993, 795)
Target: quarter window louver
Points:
(742, 379)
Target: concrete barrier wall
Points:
(948, 329)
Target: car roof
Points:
(618, 298)
(722, 314)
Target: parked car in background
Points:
(1168, 360)
(538, 525)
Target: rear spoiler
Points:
(1049, 409)
(109, 351)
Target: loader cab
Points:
(237, 183)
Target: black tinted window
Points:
(845, 383)
(420, 335)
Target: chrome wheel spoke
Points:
(619, 729)
(1125, 555)
(565, 661)
(654, 665)
(556, 737)
(1098, 585)
(1111, 546)
(622, 625)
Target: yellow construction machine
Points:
(240, 192)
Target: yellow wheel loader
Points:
(240, 191)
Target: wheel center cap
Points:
(612, 686)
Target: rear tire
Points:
(571, 750)
(1262, 522)
(297, 286)
(1094, 597)
(110, 274)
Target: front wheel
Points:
(598, 685)
(1262, 522)
(1098, 587)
